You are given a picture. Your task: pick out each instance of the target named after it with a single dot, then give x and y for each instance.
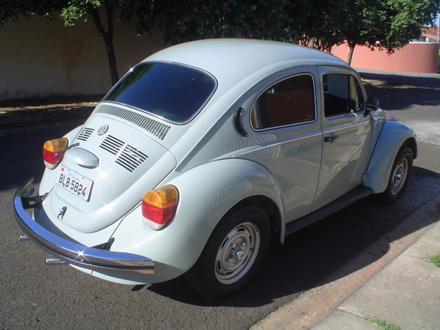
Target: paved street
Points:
(55, 297)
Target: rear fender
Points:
(393, 136)
(206, 194)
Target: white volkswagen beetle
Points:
(205, 152)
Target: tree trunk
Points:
(350, 52)
(107, 36)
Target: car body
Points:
(204, 153)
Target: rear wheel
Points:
(400, 173)
(233, 253)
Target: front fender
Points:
(206, 193)
(392, 137)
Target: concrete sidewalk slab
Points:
(406, 293)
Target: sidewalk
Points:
(401, 288)
(405, 293)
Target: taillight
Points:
(53, 152)
(159, 206)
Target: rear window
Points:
(173, 92)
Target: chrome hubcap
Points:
(237, 253)
(398, 177)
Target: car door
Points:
(285, 126)
(346, 135)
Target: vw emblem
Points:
(103, 129)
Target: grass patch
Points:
(435, 259)
(367, 84)
(383, 325)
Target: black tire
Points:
(399, 176)
(232, 254)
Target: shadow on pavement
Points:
(400, 92)
(22, 135)
(356, 236)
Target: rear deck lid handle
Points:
(82, 157)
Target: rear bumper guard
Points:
(72, 252)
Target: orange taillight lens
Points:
(53, 152)
(159, 205)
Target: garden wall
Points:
(42, 57)
(416, 57)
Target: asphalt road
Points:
(55, 297)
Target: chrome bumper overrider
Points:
(69, 251)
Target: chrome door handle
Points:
(330, 138)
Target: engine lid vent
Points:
(152, 126)
(112, 144)
(131, 158)
(84, 134)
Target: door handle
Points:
(330, 138)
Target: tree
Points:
(146, 13)
(407, 19)
(321, 25)
(90, 9)
(378, 24)
(72, 10)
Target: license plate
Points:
(75, 183)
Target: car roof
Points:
(243, 57)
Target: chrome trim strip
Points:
(72, 252)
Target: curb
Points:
(315, 305)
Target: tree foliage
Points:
(235, 19)
(378, 24)
(12, 9)
(184, 20)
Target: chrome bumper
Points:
(69, 251)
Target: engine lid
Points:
(105, 172)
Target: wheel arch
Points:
(269, 207)
(247, 183)
(412, 144)
(393, 137)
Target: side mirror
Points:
(372, 105)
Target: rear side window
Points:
(288, 102)
(342, 94)
(173, 92)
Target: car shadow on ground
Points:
(354, 238)
(22, 135)
(400, 92)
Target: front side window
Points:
(174, 92)
(288, 102)
(342, 94)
